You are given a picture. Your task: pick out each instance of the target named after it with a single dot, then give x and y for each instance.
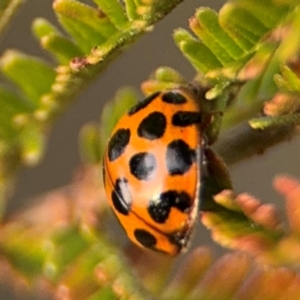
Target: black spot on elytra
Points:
(186, 118)
(179, 157)
(142, 104)
(145, 238)
(159, 209)
(142, 165)
(121, 197)
(118, 143)
(153, 126)
(173, 98)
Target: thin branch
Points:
(7, 9)
(243, 142)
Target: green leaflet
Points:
(12, 107)
(241, 25)
(288, 81)
(207, 27)
(90, 144)
(114, 11)
(197, 53)
(84, 23)
(32, 142)
(131, 10)
(62, 48)
(25, 72)
(269, 12)
(233, 34)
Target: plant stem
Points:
(243, 142)
(7, 9)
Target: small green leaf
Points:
(63, 49)
(163, 78)
(197, 53)
(209, 40)
(84, 23)
(42, 27)
(33, 142)
(219, 85)
(271, 122)
(269, 12)
(114, 11)
(290, 44)
(131, 10)
(25, 72)
(90, 144)
(207, 27)
(166, 74)
(267, 85)
(288, 81)
(13, 104)
(241, 25)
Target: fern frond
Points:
(231, 37)
(244, 44)
(267, 239)
(97, 36)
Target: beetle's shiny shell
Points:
(152, 170)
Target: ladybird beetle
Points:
(152, 170)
